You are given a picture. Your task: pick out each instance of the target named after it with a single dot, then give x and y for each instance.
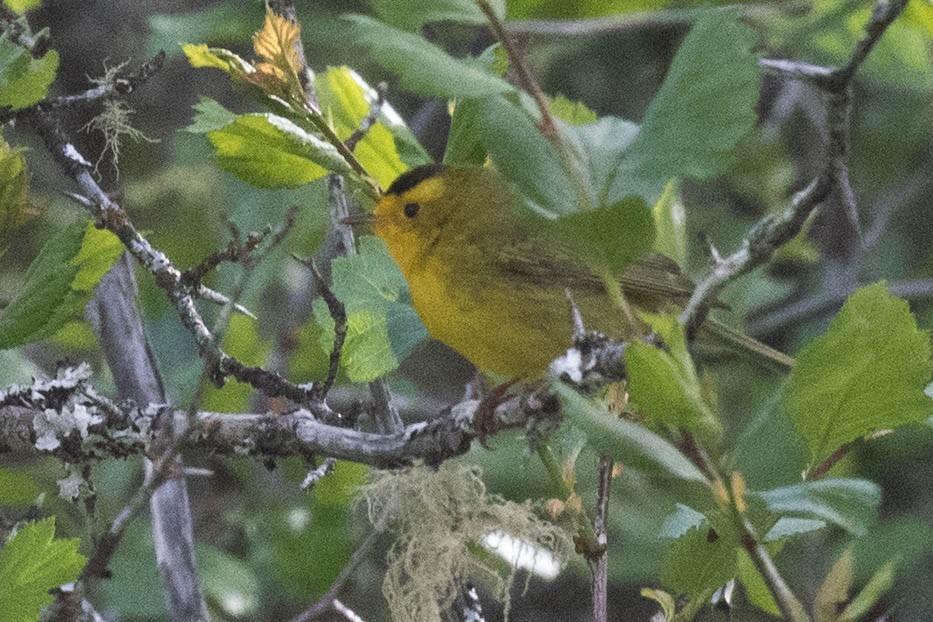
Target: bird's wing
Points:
(652, 279)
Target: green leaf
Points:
(624, 441)
(705, 105)
(32, 562)
(610, 238)
(756, 590)
(14, 193)
(868, 597)
(701, 560)
(663, 382)
(24, 80)
(413, 14)
(670, 222)
(867, 373)
(680, 521)
(525, 157)
(345, 100)
(422, 67)
(17, 488)
(849, 503)
(382, 326)
(571, 112)
(269, 151)
(601, 146)
(209, 116)
(21, 6)
(834, 590)
(464, 140)
(59, 283)
(788, 526)
(229, 582)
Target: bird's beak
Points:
(359, 219)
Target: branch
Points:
(763, 240)
(525, 78)
(773, 231)
(119, 326)
(599, 559)
(111, 215)
(118, 86)
(326, 602)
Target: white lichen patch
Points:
(51, 426)
(69, 488)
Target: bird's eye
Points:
(411, 209)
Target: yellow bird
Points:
(492, 284)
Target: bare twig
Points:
(763, 240)
(326, 602)
(823, 468)
(370, 119)
(825, 302)
(235, 252)
(110, 214)
(630, 22)
(387, 418)
(130, 430)
(787, 602)
(525, 77)
(339, 314)
(119, 86)
(322, 471)
(346, 612)
(599, 559)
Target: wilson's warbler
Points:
(493, 284)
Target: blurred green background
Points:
(267, 549)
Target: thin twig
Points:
(784, 597)
(339, 314)
(387, 418)
(109, 213)
(773, 231)
(118, 322)
(326, 601)
(104, 548)
(370, 119)
(794, 313)
(235, 252)
(119, 86)
(630, 22)
(386, 415)
(599, 559)
(320, 472)
(823, 468)
(526, 79)
(346, 612)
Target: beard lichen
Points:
(113, 122)
(439, 520)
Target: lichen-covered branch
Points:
(111, 215)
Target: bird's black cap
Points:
(409, 179)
